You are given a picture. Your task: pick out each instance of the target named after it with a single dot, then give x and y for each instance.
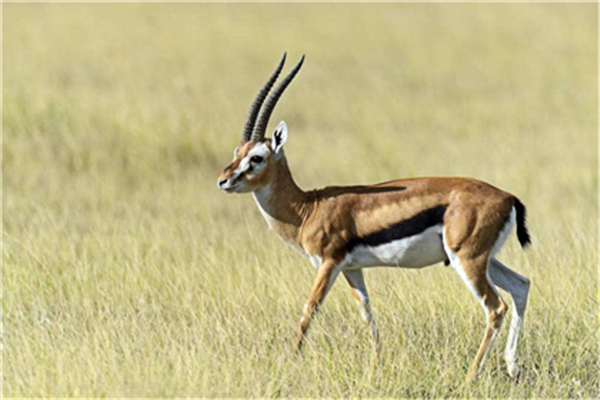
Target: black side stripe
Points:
(409, 227)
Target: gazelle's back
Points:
(398, 218)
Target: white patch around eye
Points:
(262, 150)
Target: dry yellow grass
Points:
(126, 273)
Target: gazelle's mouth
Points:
(231, 189)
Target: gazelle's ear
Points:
(279, 137)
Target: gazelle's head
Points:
(256, 157)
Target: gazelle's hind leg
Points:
(473, 272)
(518, 287)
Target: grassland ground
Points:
(126, 273)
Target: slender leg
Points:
(518, 287)
(326, 276)
(356, 280)
(474, 273)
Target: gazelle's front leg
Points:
(356, 280)
(327, 274)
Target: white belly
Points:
(415, 251)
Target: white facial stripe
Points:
(261, 150)
(242, 166)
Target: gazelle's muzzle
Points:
(228, 185)
(229, 180)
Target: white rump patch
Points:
(503, 235)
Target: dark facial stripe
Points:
(403, 229)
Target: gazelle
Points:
(408, 223)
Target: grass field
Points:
(126, 273)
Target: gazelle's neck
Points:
(283, 204)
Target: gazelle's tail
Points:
(522, 232)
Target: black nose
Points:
(221, 183)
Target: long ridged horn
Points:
(258, 101)
(265, 114)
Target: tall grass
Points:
(126, 273)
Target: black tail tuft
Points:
(522, 232)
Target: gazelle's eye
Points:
(256, 159)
